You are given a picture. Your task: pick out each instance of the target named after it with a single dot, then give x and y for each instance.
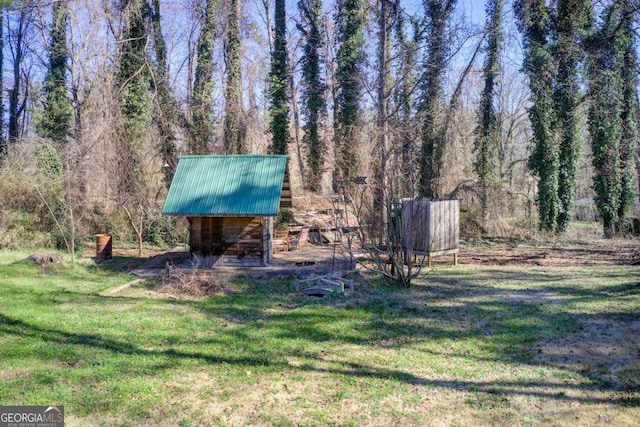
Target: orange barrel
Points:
(103, 246)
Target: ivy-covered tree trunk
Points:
(135, 100)
(278, 79)
(166, 111)
(438, 13)
(234, 138)
(534, 19)
(488, 131)
(553, 56)
(573, 19)
(55, 121)
(349, 87)
(605, 130)
(314, 88)
(629, 143)
(613, 114)
(201, 131)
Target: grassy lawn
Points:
(465, 346)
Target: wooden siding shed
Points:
(230, 202)
(429, 227)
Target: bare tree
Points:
(17, 29)
(3, 140)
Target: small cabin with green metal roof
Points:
(230, 202)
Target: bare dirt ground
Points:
(310, 259)
(495, 252)
(181, 280)
(553, 254)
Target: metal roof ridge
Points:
(230, 155)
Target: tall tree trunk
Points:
(55, 121)
(201, 130)
(535, 19)
(234, 135)
(384, 77)
(611, 160)
(572, 21)
(314, 89)
(3, 140)
(135, 101)
(629, 114)
(167, 112)
(405, 120)
(488, 131)
(438, 12)
(278, 78)
(16, 106)
(349, 88)
(553, 53)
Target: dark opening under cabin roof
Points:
(226, 185)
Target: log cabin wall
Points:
(228, 241)
(267, 243)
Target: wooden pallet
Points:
(323, 285)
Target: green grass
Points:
(465, 346)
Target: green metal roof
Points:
(231, 185)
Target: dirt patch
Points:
(313, 259)
(161, 259)
(606, 351)
(322, 259)
(594, 253)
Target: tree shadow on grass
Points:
(538, 389)
(510, 326)
(121, 263)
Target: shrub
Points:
(20, 230)
(162, 231)
(285, 217)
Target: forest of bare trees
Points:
(518, 108)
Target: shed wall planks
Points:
(430, 226)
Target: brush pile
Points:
(43, 259)
(190, 284)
